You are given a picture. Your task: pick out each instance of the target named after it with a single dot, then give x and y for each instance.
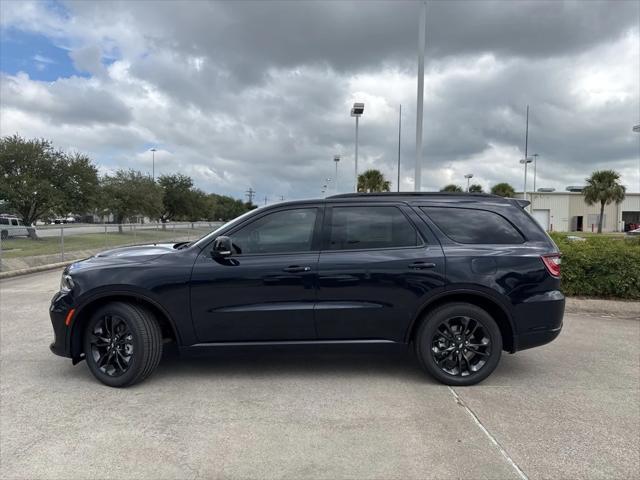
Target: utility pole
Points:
(422, 40)
(399, 142)
(526, 136)
(250, 194)
(265, 199)
(282, 198)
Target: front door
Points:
(374, 273)
(266, 290)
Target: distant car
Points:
(12, 227)
(634, 232)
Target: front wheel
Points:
(459, 344)
(122, 344)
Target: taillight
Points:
(552, 262)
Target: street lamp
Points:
(468, 176)
(153, 163)
(525, 161)
(357, 111)
(336, 159)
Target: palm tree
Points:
(451, 188)
(373, 181)
(603, 187)
(475, 188)
(503, 190)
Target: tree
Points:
(129, 193)
(603, 187)
(197, 205)
(80, 187)
(373, 181)
(451, 188)
(225, 208)
(176, 196)
(38, 180)
(476, 188)
(503, 190)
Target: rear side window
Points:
(370, 227)
(466, 225)
(4, 221)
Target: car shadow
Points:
(344, 361)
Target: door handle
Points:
(296, 269)
(421, 265)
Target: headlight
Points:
(66, 283)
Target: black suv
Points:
(460, 277)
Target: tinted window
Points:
(284, 231)
(370, 227)
(4, 221)
(464, 225)
(14, 221)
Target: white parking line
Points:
(504, 453)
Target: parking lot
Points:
(567, 410)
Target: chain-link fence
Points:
(64, 242)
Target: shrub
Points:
(600, 266)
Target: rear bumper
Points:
(538, 320)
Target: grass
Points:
(23, 247)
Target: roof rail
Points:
(412, 194)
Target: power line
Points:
(250, 194)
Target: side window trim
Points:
(328, 216)
(315, 236)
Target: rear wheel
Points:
(4, 235)
(459, 344)
(122, 344)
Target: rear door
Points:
(374, 271)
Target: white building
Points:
(568, 212)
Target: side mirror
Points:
(222, 247)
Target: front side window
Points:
(278, 232)
(470, 226)
(14, 221)
(370, 227)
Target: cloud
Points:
(241, 94)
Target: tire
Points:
(441, 349)
(4, 235)
(122, 344)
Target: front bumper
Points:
(61, 304)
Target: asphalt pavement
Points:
(567, 410)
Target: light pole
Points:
(637, 130)
(153, 163)
(399, 142)
(525, 161)
(336, 159)
(357, 111)
(535, 168)
(468, 176)
(422, 46)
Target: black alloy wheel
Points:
(112, 345)
(122, 344)
(459, 344)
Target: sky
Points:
(258, 94)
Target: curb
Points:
(40, 268)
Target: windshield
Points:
(210, 236)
